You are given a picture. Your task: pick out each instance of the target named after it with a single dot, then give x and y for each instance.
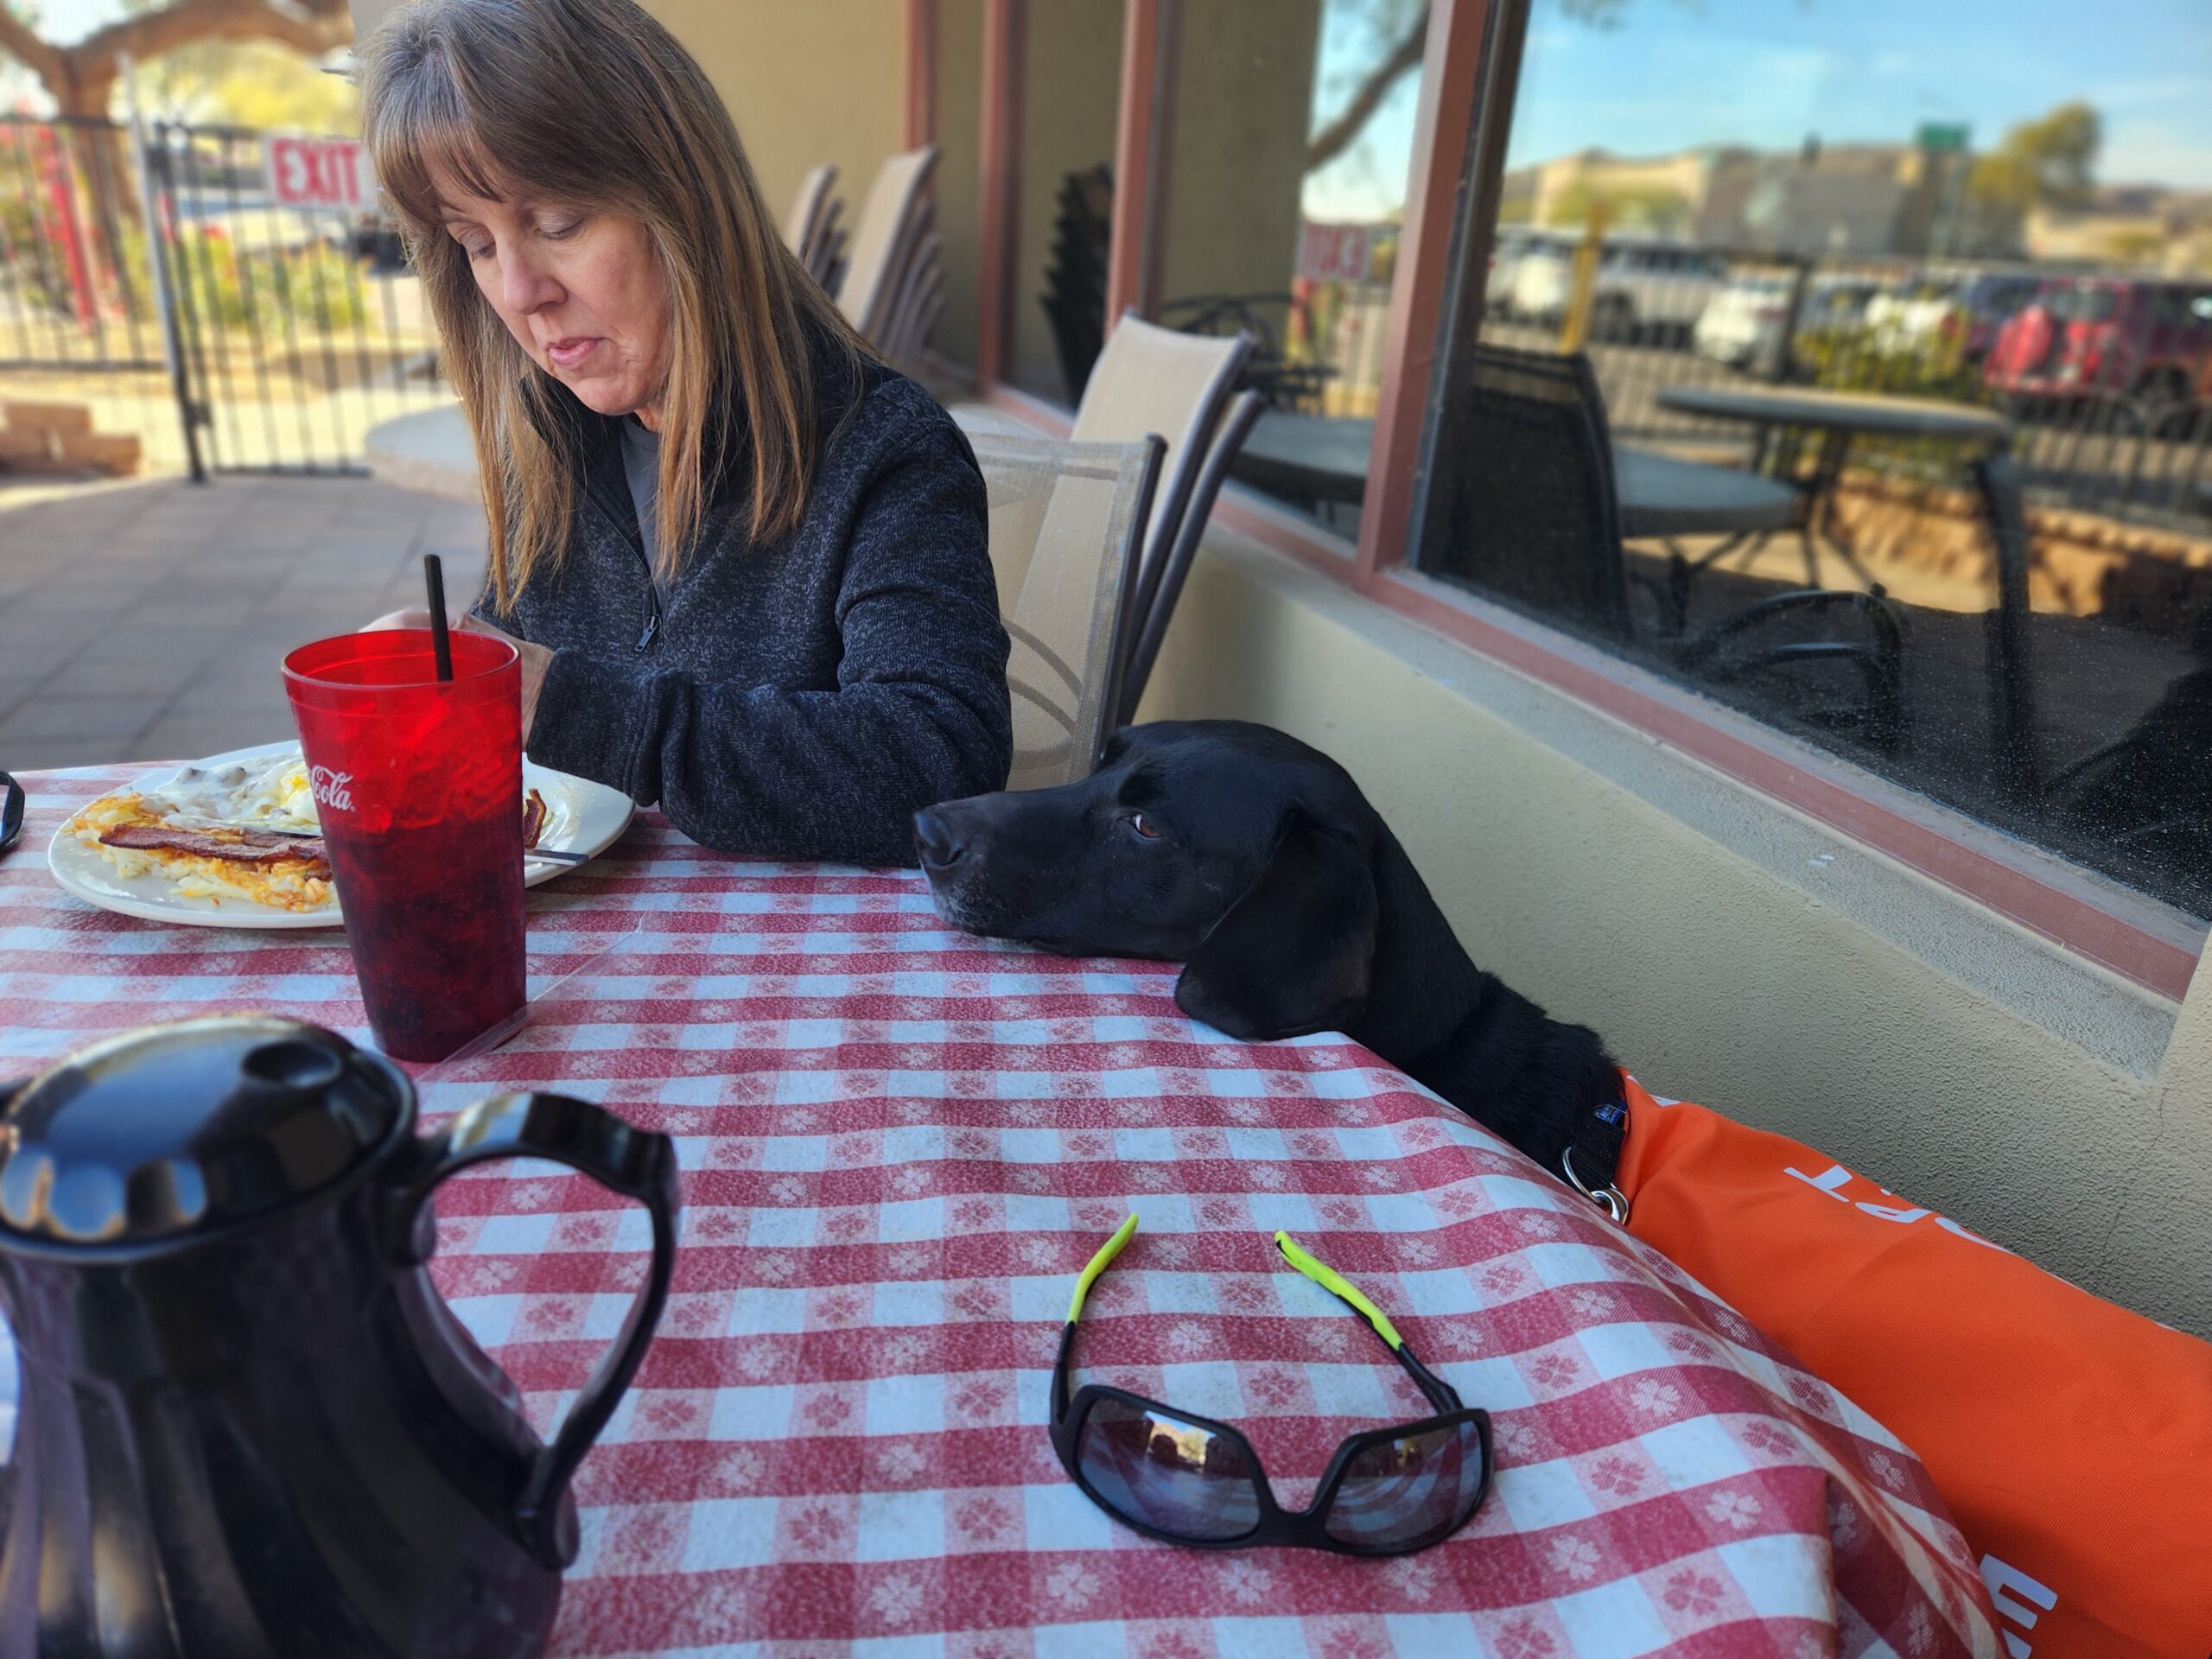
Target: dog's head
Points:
(1231, 848)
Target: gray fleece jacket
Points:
(800, 699)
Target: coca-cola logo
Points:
(330, 788)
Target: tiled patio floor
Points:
(146, 620)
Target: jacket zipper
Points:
(628, 527)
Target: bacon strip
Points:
(244, 848)
(533, 819)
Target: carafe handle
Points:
(636, 1163)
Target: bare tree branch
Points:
(79, 78)
(1367, 98)
(18, 41)
(150, 34)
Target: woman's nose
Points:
(526, 287)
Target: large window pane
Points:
(1768, 283)
(1291, 134)
(1071, 91)
(959, 103)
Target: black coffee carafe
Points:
(248, 1428)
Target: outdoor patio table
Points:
(1323, 459)
(430, 452)
(899, 1146)
(1839, 417)
(1849, 412)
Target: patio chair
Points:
(2148, 793)
(920, 294)
(1075, 282)
(1067, 521)
(2013, 745)
(891, 246)
(1528, 487)
(1529, 490)
(812, 232)
(1151, 379)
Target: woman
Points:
(744, 565)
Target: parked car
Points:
(2085, 337)
(1645, 290)
(1742, 325)
(1515, 244)
(1967, 306)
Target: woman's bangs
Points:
(426, 138)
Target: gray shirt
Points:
(641, 466)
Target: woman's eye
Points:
(560, 230)
(1143, 825)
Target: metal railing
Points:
(298, 328)
(75, 292)
(281, 332)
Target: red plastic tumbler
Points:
(418, 784)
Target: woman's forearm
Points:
(777, 774)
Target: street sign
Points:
(1943, 136)
(319, 173)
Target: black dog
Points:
(1257, 861)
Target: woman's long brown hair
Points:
(592, 105)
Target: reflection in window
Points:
(959, 101)
(1291, 134)
(1070, 86)
(1853, 364)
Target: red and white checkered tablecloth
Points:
(901, 1144)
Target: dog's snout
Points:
(938, 841)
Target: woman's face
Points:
(583, 293)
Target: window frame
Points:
(1469, 85)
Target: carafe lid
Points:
(183, 1128)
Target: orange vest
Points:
(2071, 1440)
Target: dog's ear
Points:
(1295, 955)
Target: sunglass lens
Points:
(1148, 1466)
(1410, 1490)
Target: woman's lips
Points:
(568, 354)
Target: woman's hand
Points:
(535, 659)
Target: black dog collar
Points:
(1593, 1158)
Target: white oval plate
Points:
(581, 817)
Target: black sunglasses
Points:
(1190, 1480)
(11, 811)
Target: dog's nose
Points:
(939, 842)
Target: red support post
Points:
(999, 196)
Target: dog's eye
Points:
(1143, 825)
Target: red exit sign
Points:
(1335, 253)
(319, 173)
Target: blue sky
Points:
(1767, 73)
(1677, 73)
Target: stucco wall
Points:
(821, 81)
(1736, 954)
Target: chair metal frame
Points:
(1196, 464)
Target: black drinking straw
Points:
(434, 575)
